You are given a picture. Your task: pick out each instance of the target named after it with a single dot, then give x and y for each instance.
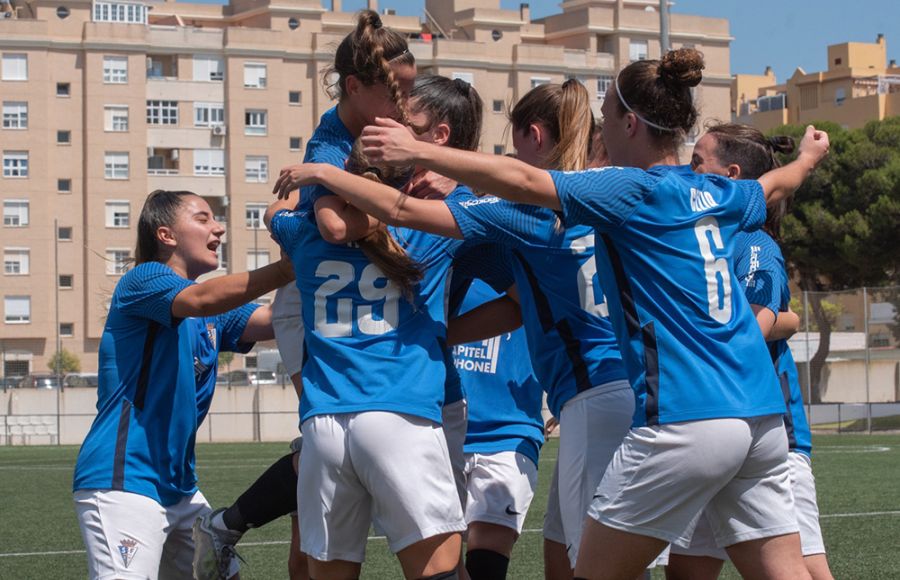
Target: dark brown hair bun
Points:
(782, 144)
(681, 67)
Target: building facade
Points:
(106, 100)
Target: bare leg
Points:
(297, 566)
(334, 569)
(681, 567)
(430, 556)
(817, 565)
(610, 554)
(556, 561)
(772, 558)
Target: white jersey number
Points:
(373, 287)
(716, 269)
(587, 278)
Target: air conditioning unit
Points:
(173, 155)
(219, 130)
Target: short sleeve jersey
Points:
(368, 348)
(760, 269)
(330, 143)
(157, 378)
(688, 337)
(565, 313)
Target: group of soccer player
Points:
(429, 297)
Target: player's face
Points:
(421, 124)
(614, 129)
(533, 144)
(704, 159)
(197, 235)
(375, 99)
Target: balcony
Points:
(162, 161)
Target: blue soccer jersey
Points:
(759, 266)
(564, 311)
(330, 143)
(157, 377)
(688, 337)
(368, 348)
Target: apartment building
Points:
(859, 86)
(106, 100)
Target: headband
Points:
(636, 114)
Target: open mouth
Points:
(213, 245)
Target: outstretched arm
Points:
(219, 295)
(491, 319)
(783, 181)
(390, 142)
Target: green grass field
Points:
(858, 480)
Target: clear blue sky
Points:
(784, 34)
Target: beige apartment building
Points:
(859, 86)
(106, 100)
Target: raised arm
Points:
(222, 294)
(339, 222)
(390, 142)
(786, 325)
(783, 181)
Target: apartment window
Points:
(497, 106)
(14, 67)
(15, 261)
(464, 76)
(117, 261)
(64, 185)
(15, 115)
(257, 259)
(254, 75)
(840, 95)
(115, 69)
(66, 281)
(115, 165)
(15, 164)
(115, 118)
(499, 149)
(118, 214)
(63, 137)
(538, 81)
(209, 114)
(116, 12)
(294, 97)
(63, 89)
(256, 169)
(209, 162)
(296, 143)
(637, 50)
(17, 309)
(162, 112)
(208, 68)
(255, 212)
(64, 234)
(255, 122)
(222, 255)
(809, 97)
(15, 213)
(66, 329)
(604, 82)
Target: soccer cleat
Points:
(213, 548)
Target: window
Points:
(256, 169)
(66, 329)
(637, 50)
(255, 122)
(255, 212)
(116, 12)
(809, 97)
(115, 165)
(254, 75)
(209, 114)
(64, 234)
(497, 106)
(257, 259)
(209, 162)
(464, 76)
(499, 149)
(15, 213)
(115, 118)
(296, 143)
(17, 309)
(840, 95)
(294, 97)
(14, 67)
(15, 164)
(63, 137)
(538, 81)
(604, 82)
(222, 255)
(117, 214)
(162, 112)
(771, 103)
(62, 89)
(66, 281)
(115, 69)
(15, 261)
(117, 262)
(15, 115)
(208, 68)
(64, 185)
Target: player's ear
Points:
(166, 236)
(734, 171)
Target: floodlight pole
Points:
(664, 43)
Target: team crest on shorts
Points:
(127, 549)
(211, 332)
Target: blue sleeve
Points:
(230, 327)
(148, 291)
(754, 198)
(762, 272)
(602, 198)
(320, 152)
(491, 219)
(285, 228)
(489, 262)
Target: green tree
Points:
(842, 231)
(225, 358)
(63, 362)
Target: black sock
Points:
(451, 575)
(272, 495)
(486, 564)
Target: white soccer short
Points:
(500, 488)
(287, 324)
(663, 476)
(131, 536)
(455, 419)
(803, 486)
(591, 428)
(387, 467)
